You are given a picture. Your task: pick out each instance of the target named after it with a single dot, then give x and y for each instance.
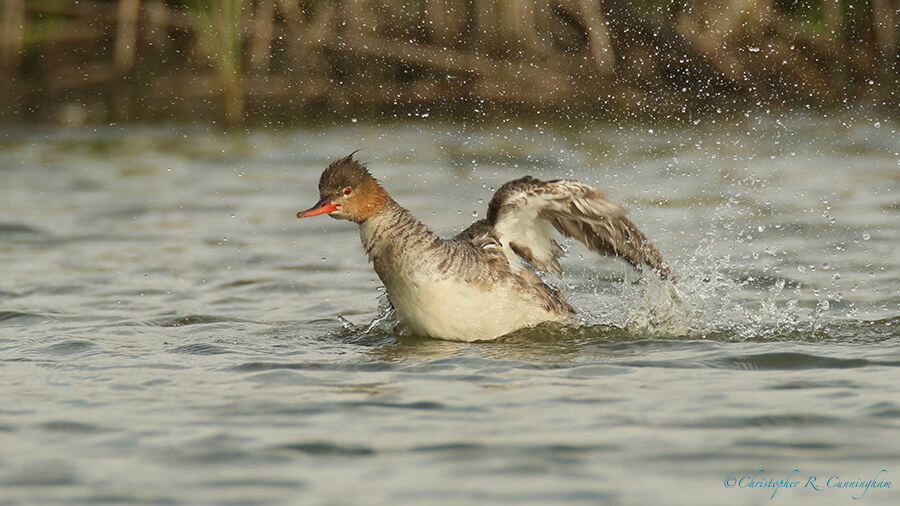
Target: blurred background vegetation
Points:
(284, 61)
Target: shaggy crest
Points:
(342, 173)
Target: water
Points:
(171, 334)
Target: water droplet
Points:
(474, 213)
(837, 275)
(761, 228)
(352, 120)
(866, 236)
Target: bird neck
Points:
(393, 237)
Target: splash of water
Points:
(663, 311)
(712, 298)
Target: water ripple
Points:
(312, 366)
(787, 420)
(70, 427)
(806, 384)
(22, 318)
(799, 445)
(201, 349)
(884, 410)
(182, 321)
(774, 361)
(69, 347)
(793, 361)
(328, 449)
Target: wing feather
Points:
(524, 212)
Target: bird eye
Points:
(348, 191)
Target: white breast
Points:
(459, 311)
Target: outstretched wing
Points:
(524, 212)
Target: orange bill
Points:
(323, 206)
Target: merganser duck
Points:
(474, 286)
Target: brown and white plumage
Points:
(524, 212)
(473, 286)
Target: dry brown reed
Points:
(115, 60)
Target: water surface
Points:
(171, 334)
